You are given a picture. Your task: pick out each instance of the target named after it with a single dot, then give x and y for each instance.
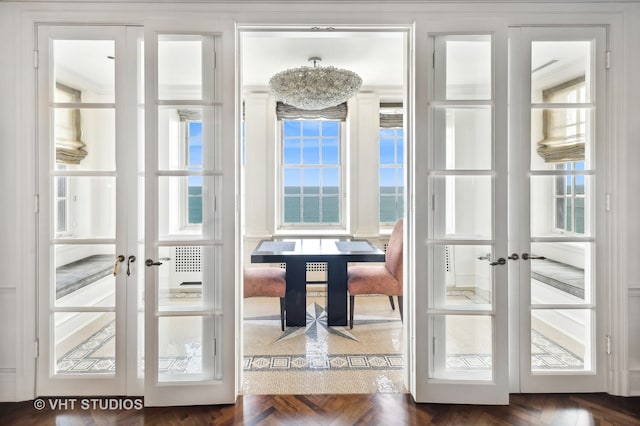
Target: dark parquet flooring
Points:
(375, 409)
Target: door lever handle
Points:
(119, 259)
(130, 260)
(150, 262)
(515, 256)
(500, 261)
(527, 256)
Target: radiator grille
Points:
(188, 259)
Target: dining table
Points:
(335, 253)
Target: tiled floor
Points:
(317, 359)
(321, 359)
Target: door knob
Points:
(150, 262)
(500, 261)
(527, 256)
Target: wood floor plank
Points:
(339, 410)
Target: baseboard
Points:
(7, 385)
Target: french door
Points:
(90, 244)
(190, 226)
(558, 192)
(511, 298)
(137, 274)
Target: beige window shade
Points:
(391, 116)
(563, 128)
(69, 147)
(288, 112)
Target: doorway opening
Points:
(309, 178)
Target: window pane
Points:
(387, 151)
(562, 274)
(311, 151)
(387, 208)
(189, 138)
(181, 59)
(292, 209)
(85, 139)
(461, 277)
(71, 56)
(455, 56)
(91, 213)
(311, 209)
(84, 275)
(557, 66)
(330, 209)
(330, 151)
(330, 181)
(311, 128)
(556, 206)
(561, 340)
(463, 138)
(84, 343)
(463, 348)
(462, 207)
(188, 200)
(182, 354)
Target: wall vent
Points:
(188, 259)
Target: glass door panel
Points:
(189, 251)
(558, 274)
(86, 136)
(462, 276)
(466, 289)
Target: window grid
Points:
(570, 199)
(391, 187)
(311, 172)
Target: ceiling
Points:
(377, 57)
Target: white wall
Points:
(17, 167)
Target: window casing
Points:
(311, 174)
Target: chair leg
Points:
(352, 300)
(282, 304)
(393, 306)
(400, 307)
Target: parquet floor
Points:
(338, 410)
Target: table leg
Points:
(296, 296)
(337, 293)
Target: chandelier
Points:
(314, 88)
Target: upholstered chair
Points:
(379, 279)
(266, 281)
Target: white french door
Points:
(558, 144)
(191, 346)
(137, 235)
(490, 321)
(89, 247)
(461, 306)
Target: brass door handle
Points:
(119, 259)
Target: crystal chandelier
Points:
(314, 88)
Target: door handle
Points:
(500, 261)
(150, 262)
(514, 256)
(527, 256)
(119, 259)
(130, 260)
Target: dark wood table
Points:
(297, 253)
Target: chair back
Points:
(393, 258)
